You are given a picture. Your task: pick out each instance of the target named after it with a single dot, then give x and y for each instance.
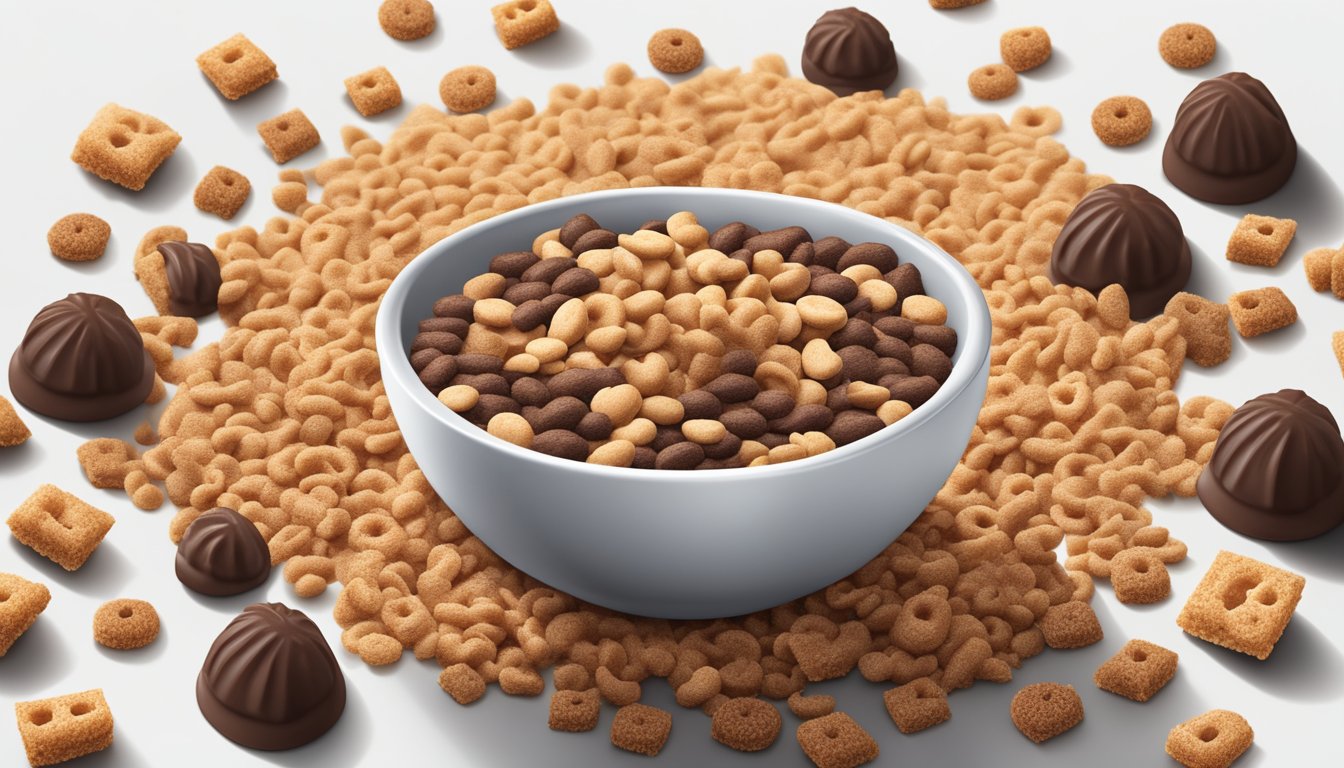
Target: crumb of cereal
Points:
(675, 51)
(124, 146)
(237, 67)
(1260, 240)
(992, 82)
(1121, 121)
(468, 89)
(948, 5)
(222, 191)
(78, 237)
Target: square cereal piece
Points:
(12, 429)
(1260, 240)
(1317, 264)
(1204, 324)
(289, 135)
(1337, 341)
(836, 741)
(124, 146)
(1070, 625)
(1137, 671)
(1242, 604)
(575, 711)
(64, 727)
(21, 601)
(641, 729)
(374, 91)
(520, 22)
(1214, 739)
(917, 705)
(222, 192)
(1261, 311)
(1139, 577)
(237, 67)
(59, 526)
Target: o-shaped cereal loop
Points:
(467, 89)
(124, 625)
(1187, 46)
(1122, 120)
(993, 82)
(406, 19)
(78, 237)
(675, 51)
(1025, 48)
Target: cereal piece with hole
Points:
(575, 711)
(237, 67)
(1186, 46)
(373, 92)
(1042, 711)
(992, 82)
(1139, 577)
(12, 429)
(746, 724)
(462, 682)
(1317, 264)
(1261, 311)
(468, 89)
(406, 19)
(1204, 324)
(1260, 240)
(21, 601)
(917, 705)
(836, 741)
(222, 191)
(64, 727)
(1025, 48)
(1242, 604)
(809, 707)
(289, 135)
(1121, 121)
(641, 729)
(1137, 671)
(675, 51)
(78, 237)
(1070, 625)
(59, 526)
(125, 624)
(1214, 739)
(520, 22)
(124, 146)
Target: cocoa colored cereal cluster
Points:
(676, 348)
(78, 237)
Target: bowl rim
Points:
(974, 344)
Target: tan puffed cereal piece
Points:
(893, 411)
(59, 526)
(406, 19)
(460, 397)
(1317, 264)
(63, 728)
(1139, 577)
(1204, 324)
(124, 625)
(1025, 48)
(641, 729)
(809, 707)
(468, 89)
(373, 92)
(1042, 711)
(1214, 739)
(1070, 625)
(1121, 121)
(22, 602)
(836, 741)
(512, 428)
(237, 67)
(222, 191)
(917, 705)
(924, 310)
(574, 711)
(124, 146)
(78, 237)
(1261, 311)
(948, 5)
(1336, 341)
(462, 682)
(675, 51)
(703, 431)
(289, 135)
(1260, 240)
(746, 724)
(520, 22)
(1242, 604)
(12, 429)
(1137, 671)
(1187, 46)
(992, 82)
(105, 461)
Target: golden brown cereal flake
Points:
(746, 724)
(374, 91)
(12, 429)
(1137, 671)
(675, 51)
(1260, 240)
(222, 191)
(64, 727)
(992, 82)
(917, 705)
(124, 146)
(289, 135)
(78, 237)
(1122, 120)
(237, 67)
(1187, 46)
(520, 22)
(406, 19)
(1042, 711)
(1261, 311)
(1025, 48)
(1204, 324)
(836, 741)
(59, 526)
(641, 729)
(1242, 604)
(21, 601)
(1214, 739)
(1317, 263)
(468, 89)
(575, 711)
(125, 624)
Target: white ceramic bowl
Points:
(684, 544)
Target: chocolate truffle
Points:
(1121, 233)
(270, 680)
(1230, 142)
(193, 278)
(847, 50)
(222, 553)
(82, 359)
(1276, 469)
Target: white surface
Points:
(64, 59)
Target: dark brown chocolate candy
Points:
(193, 278)
(222, 553)
(1121, 233)
(270, 681)
(847, 50)
(1276, 469)
(81, 359)
(1230, 142)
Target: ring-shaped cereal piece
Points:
(406, 19)
(1187, 46)
(1122, 120)
(78, 237)
(124, 624)
(1025, 48)
(468, 89)
(992, 82)
(675, 51)
(1036, 121)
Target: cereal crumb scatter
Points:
(63, 728)
(288, 135)
(641, 728)
(675, 51)
(1122, 120)
(59, 526)
(1137, 671)
(836, 741)
(520, 22)
(125, 624)
(1042, 711)
(1205, 326)
(917, 705)
(373, 92)
(468, 89)
(12, 429)
(1214, 739)
(237, 67)
(406, 19)
(1071, 625)
(124, 146)
(222, 191)
(992, 82)
(1261, 311)
(746, 724)
(1242, 604)
(78, 237)
(1187, 46)
(1260, 240)
(21, 601)
(1025, 48)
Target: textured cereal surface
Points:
(675, 51)
(1214, 739)
(1139, 577)
(1042, 711)
(1337, 274)
(468, 89)
(575, 711)
(222, 191)
(373, 92)
(520, 22)
(124, 146)
(836, 741)
(64, 727)
(746, 724)
(947, 5)
(288, 135)
(237, 67)
(1204, 324)
(1317, 264)
(1071, 625)
(406, 19)
(641, 729)
(992, 82)
(1260, 240)
(78, 237)
(1242, 604)
(1025, 48)
(59, 526)
(21, 601)
(1261, 311)
(12, 429)
(1122, 120)
(1336, 342)
(1187, 46)
(125, 624)
(1137, 671)
(917, 705)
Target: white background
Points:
(63, 60)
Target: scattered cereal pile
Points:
(285, 419)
